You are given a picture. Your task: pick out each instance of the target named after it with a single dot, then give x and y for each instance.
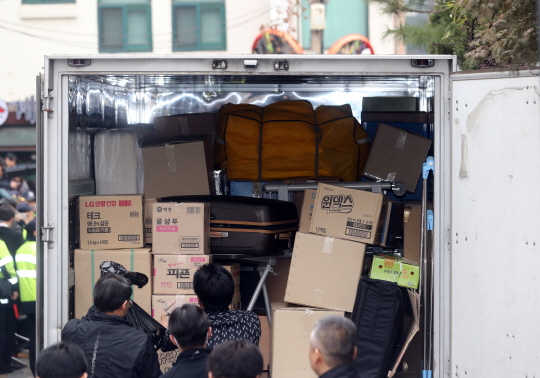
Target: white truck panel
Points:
(495, 235)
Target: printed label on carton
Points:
(337, 203)
(192, 243)
(166, 228)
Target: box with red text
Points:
(173, 274)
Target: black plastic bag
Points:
(137, 279)
(143, 321)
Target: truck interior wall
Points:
(99, 102)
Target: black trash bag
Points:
(143, 321)
(137, 279)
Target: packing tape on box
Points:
(402, 138)
(307, 327)
(328, 243)
(318, 294)
(406, 213)
(389, 262)
(170, 157)
(391, 177)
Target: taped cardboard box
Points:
(265, 341)
(396, 155)
(148, 204)
(291, 329)
(307, 210)
(349, 214)
(178, 167)
(87, 272)
(180, 228)
(325, 272)
(234, 270)
(184, 124)
(173, 274)
(111, 222)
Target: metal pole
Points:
(267, 302)
(259, 287)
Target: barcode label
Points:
(184, 285)
(357, 233)
(98, 230)
(148, 220)
(134, 214)
(148, 230)
(189, 246)
(124, 203)
(193, 210)
(129, 237)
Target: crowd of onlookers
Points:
(213, 341)
(17, 265)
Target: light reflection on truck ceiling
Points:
(133, 99)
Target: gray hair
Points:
(335, 337)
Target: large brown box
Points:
(265, 341)
(184, 124)
(396, 155)
(291, 329)
(179, 167)
(325, 272)
(349, 214)
(111, 222)
(87, 272)
(181, 228)
(173, 274)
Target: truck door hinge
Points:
(47, 234)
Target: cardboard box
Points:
(401, 271)
(234, 270)
(349, 214)
(276, 283)
(184, 124)
(291, 329)
(412, 231)
(111, 222)
(183, 166)
(265, 341)
(173, 274)
(325, 272)
(148, 204)
(165, 304)
(87, 272)
(181, 228)
(307, 210)
(396, 156)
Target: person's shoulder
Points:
(246, 315)
(70, 327)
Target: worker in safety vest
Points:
(8, 322)
(26, 270)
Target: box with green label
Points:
(401, 271)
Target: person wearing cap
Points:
(7, 315)
(30, 197)
(25, 260)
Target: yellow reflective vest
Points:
(7, 261)
(26, 270)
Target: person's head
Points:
(6, 213)
(31, 230)
(24, 207)
(235, 359)
(111, 294)
(11, 160)
(214, 286)
(189, 327)
(333, 343)
(63, 360)
(30, 197)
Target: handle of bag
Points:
(285, 235)
(218, 234)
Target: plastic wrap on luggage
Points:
(220, 181)
(119, 166)
(79, 155)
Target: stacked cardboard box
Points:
(110, 229)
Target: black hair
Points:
(6, 212)
(111, 291)
(235, 359)
(189, 325)
(30, 228)
(62, 360)
(335, 337)
(214, 286)
(11, 156)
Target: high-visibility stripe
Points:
(25, 258)
(13, 280)
(6, 260)
(4, 301)
(26, 273)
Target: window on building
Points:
(199, 25)
(47, 1)
(125, 26)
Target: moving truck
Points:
(486, 149)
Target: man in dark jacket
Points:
(12, 238)
(333, 348)
(190, 330)
(113, 348)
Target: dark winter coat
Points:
(120, 350)
(191, 363)
(343, 371)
